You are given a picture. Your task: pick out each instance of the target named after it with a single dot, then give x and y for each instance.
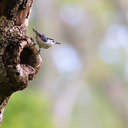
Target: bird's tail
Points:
(35, 31)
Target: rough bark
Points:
(19, 59)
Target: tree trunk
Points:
(19, 59)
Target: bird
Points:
(44, 41)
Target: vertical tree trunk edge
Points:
(19, 59)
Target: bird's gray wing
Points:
(43, 37)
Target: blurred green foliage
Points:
(27, 110)
(97, 113)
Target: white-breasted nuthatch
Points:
(43, 41)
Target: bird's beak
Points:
(58, 43)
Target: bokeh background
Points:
(83, 83)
